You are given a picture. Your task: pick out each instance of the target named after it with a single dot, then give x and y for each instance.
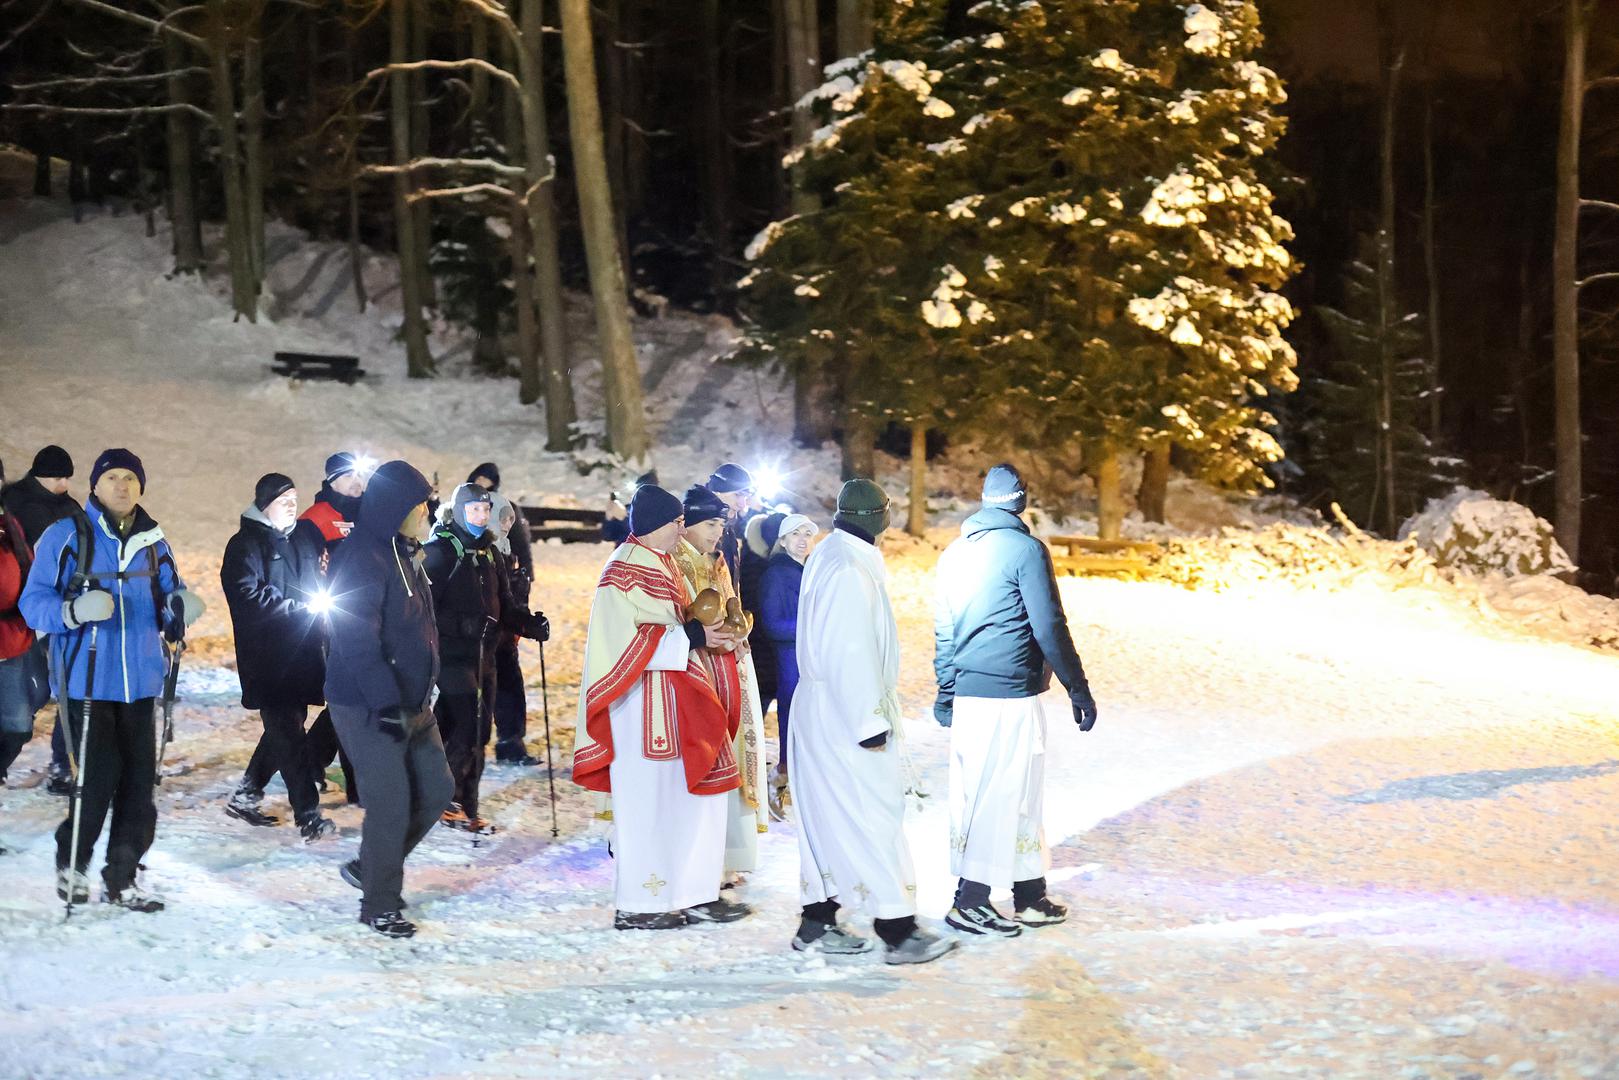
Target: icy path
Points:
(1314, 834)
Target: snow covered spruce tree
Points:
(1080, 185)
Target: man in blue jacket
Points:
(1000, 633)
(104, 601)
(380, 673)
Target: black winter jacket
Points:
(999, 628)
(475, 602)
(384, 638)
(35, 508)
(269, 578)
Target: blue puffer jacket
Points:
(999, 629)
(129, 646)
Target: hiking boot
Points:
(133, 898)
(454, 817)
(920, 947)
(350, 872)
(983, 920)
(391, 924)
(524, 759)
(79, 883)
(719, 911)
(1042, 912)
(317, 827)
(648, 920)
(59, 783)
(818, 937)
(244, 806)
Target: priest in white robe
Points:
(842, 747)
(653, 733)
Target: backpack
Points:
(82, 578)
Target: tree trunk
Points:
(859, 447)
(803, 47)
(1153, 493)
(42, 167)
(1430, 256)
(1393, 66)
(253, 144)
(352, 117)
(854, 27)
(1565, 272)
(184, 223)
(530, 382)
(560, 412)
(916, 519)
(418, 360)
(420, 16)
(1109, 497)
(511, 102)
(614, 129)
(716, 151)
(626, 417)
(478, 49)
(238, 239)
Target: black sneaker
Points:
(78, 882)
(132, 898)
(983, 920)
(719, 911)
(1042, 912)
(350, 872)
(818, 937)
(920, 947)
(525, 759)
(391, 924)
(648, 920)
(317, 827)
(246, 808)
(59, 784)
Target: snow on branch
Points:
(102, 80)
(1611, 275)
(443, 65)
(1598, 203)
(466, 189)
(498, 167)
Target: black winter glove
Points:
(539, 627)
(1084, 710)
(391, 722)
(944, 711)
(876, 742)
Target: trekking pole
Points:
(174, 645)
(545, 710)
(79, 763)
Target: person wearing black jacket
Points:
(274, 586)
(380, 674)
(515, 556)
(999, 634)
(473, 602)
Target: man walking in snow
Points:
(842, 752)
(999, 633)
(104, 586)
(274, 586)
(516, 552)
(652, 732)
(379, 686)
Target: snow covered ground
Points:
(1330, 828)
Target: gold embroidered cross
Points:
(865, 893)
(653, 883)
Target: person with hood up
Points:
(515, 545)
(276, 593)
(380, 675)
(777, 623)
(474, 606)
(999, 633)
(106, 609)
(842, 748)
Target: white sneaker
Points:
(919, 948)
(79, 883)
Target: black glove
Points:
(1084, 710)
(539, 627)
(944, 711)
(391, 722)
(876, 742)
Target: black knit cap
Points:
(52, 461)
(1004, 489)
(271, 486)
(488, 470)
(339, 463)
(651, 509)
(702, 504)
(118, 458)
(730, 477)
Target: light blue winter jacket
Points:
(129, 662)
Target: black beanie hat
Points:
(53, 461)
(651, 509)
(702, 504)
(728, 478)
(338, 464)
(271, 486)
(1004, 490)
(489, 470)
(117, 458)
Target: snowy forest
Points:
(1360, 252)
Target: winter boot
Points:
(983, 919)
(244, 806)
(132, 898)
(59, 783)
(718, 911)
(920, 947)
(648, 920)
(317, 827)
(391, 924)
(834, 940)
(521, 757)
(77, 881)
(455, 817)
(1042, 912)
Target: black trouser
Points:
(463, 722)
(891, 931)
(283, 748)
(320, 747)
(407, 787)
(118, 772)
(971, 894)
(511, 702)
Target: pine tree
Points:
(471, 261)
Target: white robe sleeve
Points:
(673, 652)
(851, 650)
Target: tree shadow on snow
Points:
(1484, 784)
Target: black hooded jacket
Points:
(384, 639)
(474, 603)
(35, 508)
(269, 578)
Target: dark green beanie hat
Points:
(863, 504)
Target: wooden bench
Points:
(297, 365)
(585, 526)
(1084, 556)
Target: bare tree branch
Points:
(28, 24)
(141, 20)
(417, 65)
(499, 168)
(99, 80)
(134, 110)
(496, 190)
(1607, 80)
(1612, 275)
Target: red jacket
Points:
(15, 636)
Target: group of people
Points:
(401, 617)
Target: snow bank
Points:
(1479, 532)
